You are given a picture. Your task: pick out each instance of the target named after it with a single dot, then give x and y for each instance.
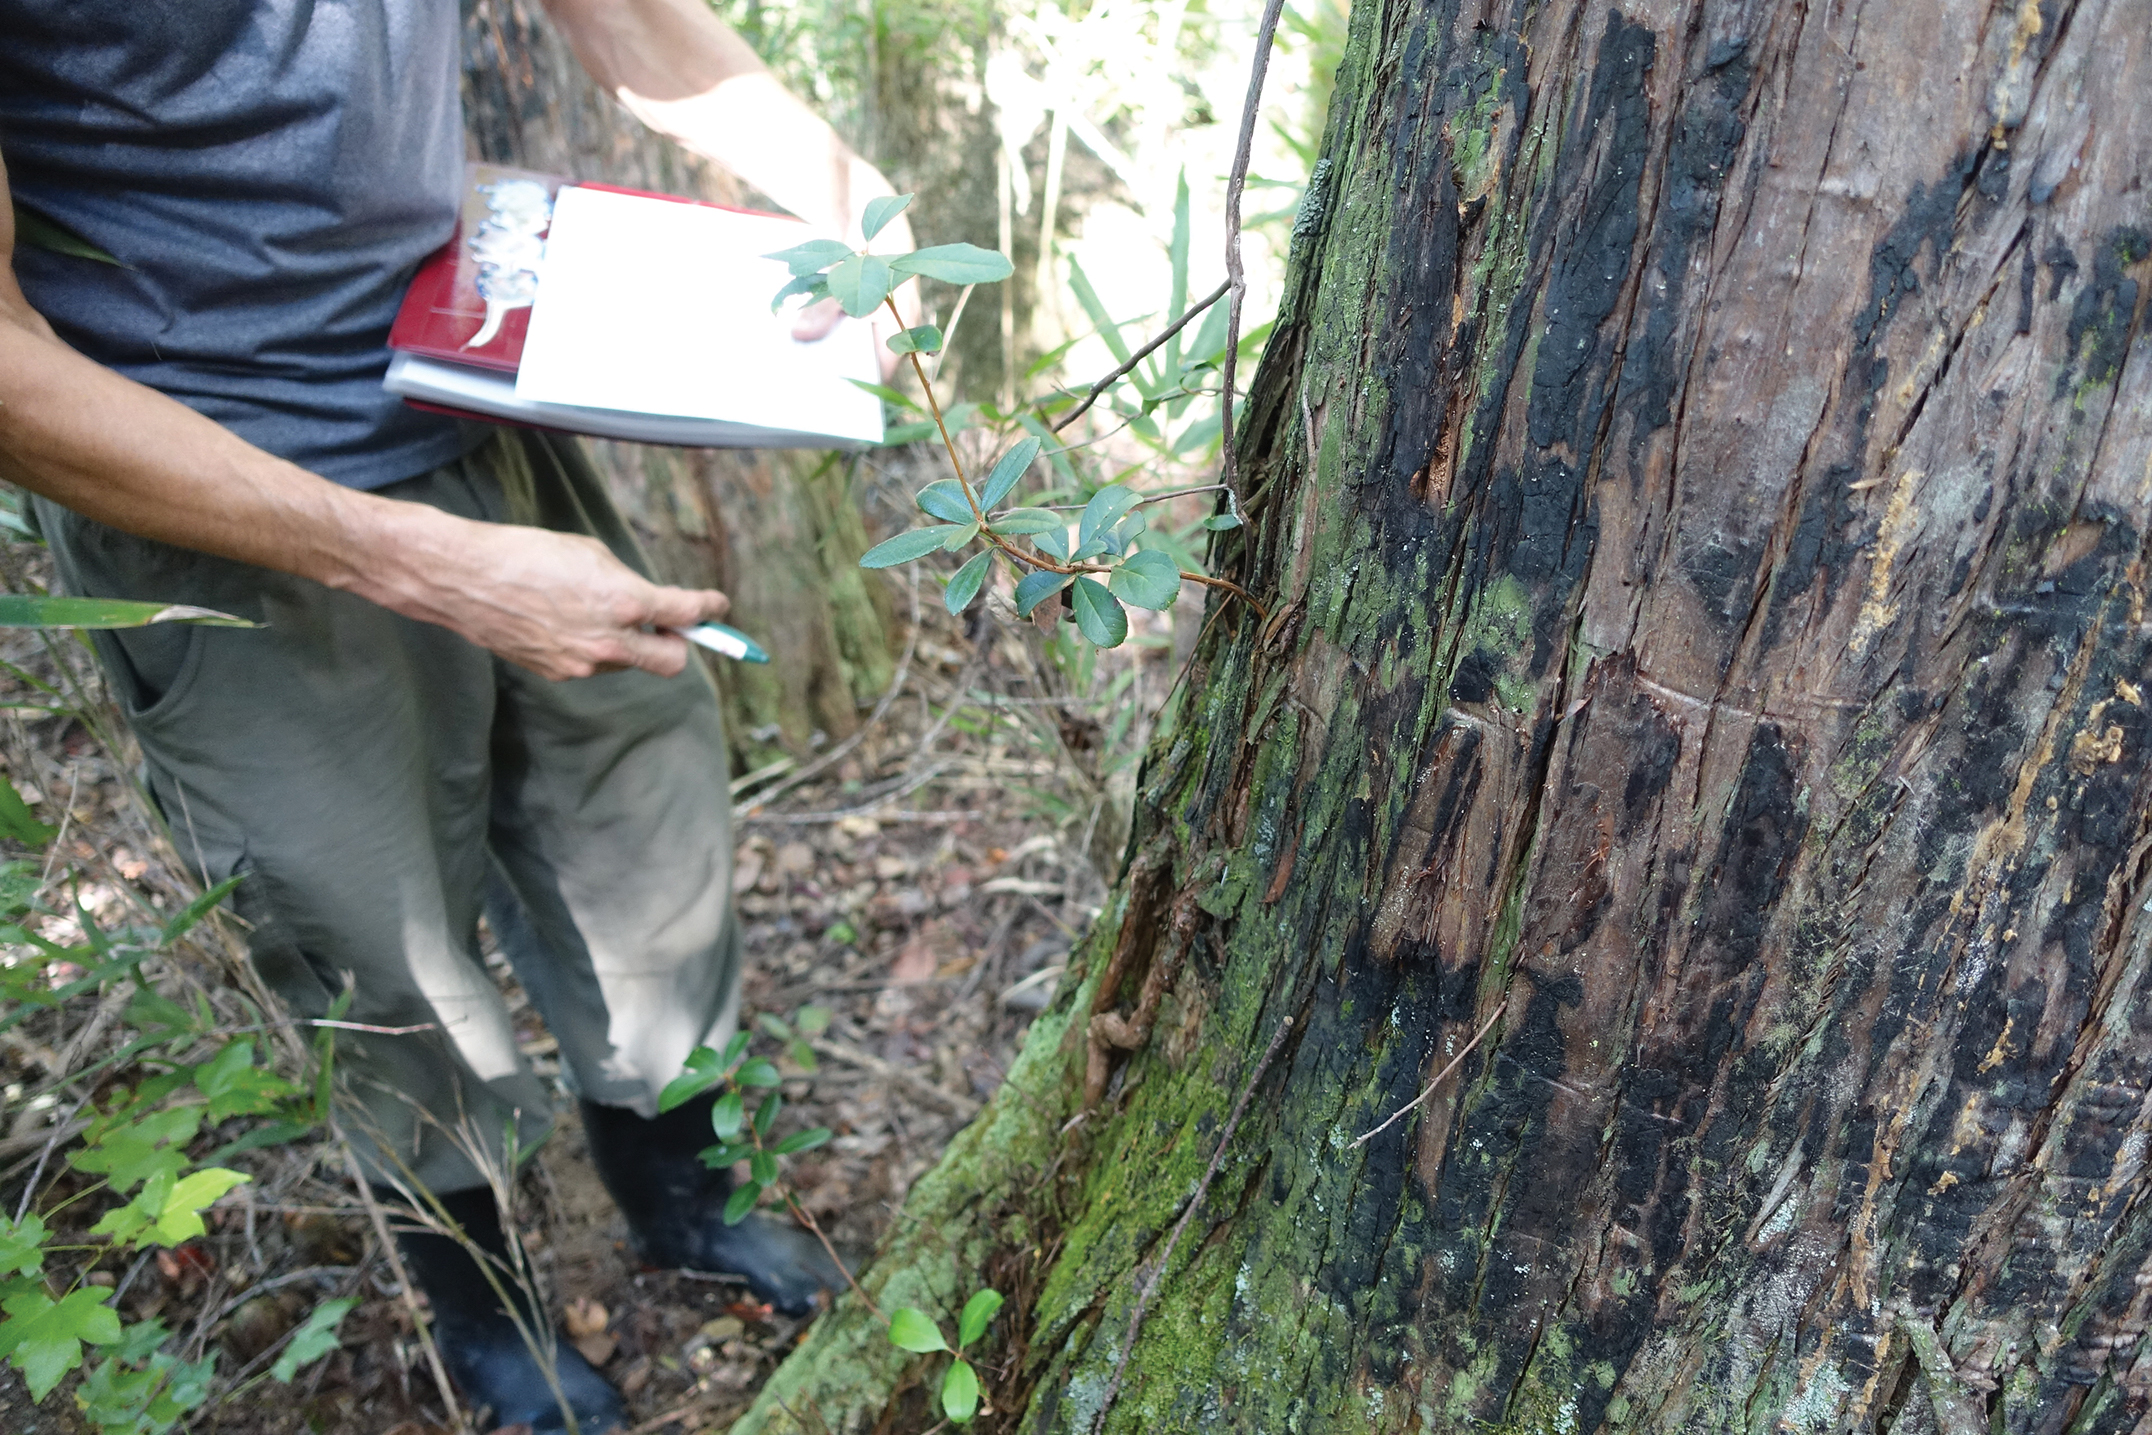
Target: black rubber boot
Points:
(486, 1355)
(675, 1207)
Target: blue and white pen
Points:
(728, 642)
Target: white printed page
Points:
(652, 306)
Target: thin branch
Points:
(1195, 1203)
(419, 1327)
(1440, 1076)
(1140, 355)
(1236, 278)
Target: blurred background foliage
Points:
(1064, 128)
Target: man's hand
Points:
(559, 604)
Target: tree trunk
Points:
(778, 530)
(1705, 649)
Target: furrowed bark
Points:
(1708, 616)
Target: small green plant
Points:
(136, 1139)
(1104, 559)
(738, 1075)
(743, 1078)
(914, 1330)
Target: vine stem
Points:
(1235, 277)
(1014, 553)
(1440, 1076)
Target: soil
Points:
(923, 889)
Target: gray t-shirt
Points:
(270, 173)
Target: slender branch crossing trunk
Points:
(1701, 481)
(778, 531)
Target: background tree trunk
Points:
(1707, 643)
(778, 531)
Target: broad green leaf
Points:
(1105, 510)
(1118, 537)
(1010, 467)
(880, 211)
(723, 1154)
(735, 1049)
(168, 1211)
(315, 1337)
(23, 610)
(1220, 522)
(1146, 579)
(1055, 454)
(766, 1114)
(812, 1020)
(965, 585)
(911, 1330)
(1098, 613)
(962, 536)
(128, 1151)
(138, 1342)
(800, 1141)
(860, 283)
(1035, 588)
(772, 1025)
(960, 1392)
(728, 1115)
(1023, 522)
(812, 257)
(814, 286)
(908, 546)
(235, 1086)
(944, 499)
(16, 820)
(979, 1313)
(741, 1201)
(925, 339)
(763, 1166)
(886, 394)
(1090, 550)
(43, 1338)
(39, 232)
(954, 264)
(704, 1070)
(757, 1072)
(1054, 542)
(803, 1056)
(22, 1244)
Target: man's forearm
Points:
(686, 74)
(129, 457)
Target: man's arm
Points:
(687, 74)
(127, 456)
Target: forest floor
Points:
(924, 889)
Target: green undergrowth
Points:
(938, 1251)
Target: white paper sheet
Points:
(653, 306)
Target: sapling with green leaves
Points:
(742, 1078)
(914, 1330)
(1103, 560)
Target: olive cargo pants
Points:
(374, 777)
